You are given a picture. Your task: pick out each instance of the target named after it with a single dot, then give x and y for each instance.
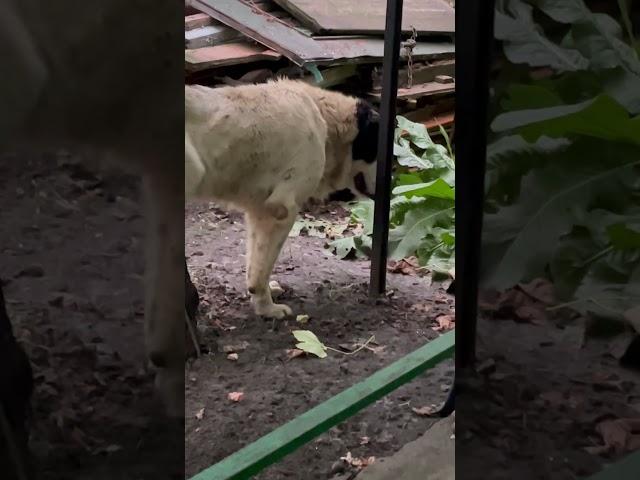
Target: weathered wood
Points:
(263, 28)
(226, 54)
(421, 90)
(272, 447)
(196, 21)
(349, 17)
(210, 35)
(422, 73)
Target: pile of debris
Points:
(335, 44)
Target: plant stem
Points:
(364, 345)
(595, 257)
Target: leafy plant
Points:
(422, 221)
(563, 184)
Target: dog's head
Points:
(361, 181)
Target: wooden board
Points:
(421, 90)
(210, 35)
(349, 16)
(263, 28)
(227, 54)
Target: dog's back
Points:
(242, 141)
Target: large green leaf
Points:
(597, 36)
(601, 117)
(437, 188)
(525, 42)
(526, 234)
(418, 224)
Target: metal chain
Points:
(408, 48)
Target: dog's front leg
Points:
(266, 235)
(164, 289)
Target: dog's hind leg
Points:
(165, 288)
(266, 235)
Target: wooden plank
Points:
(421, 90)
(196, 21)
(210, 35)
(226, 54)
(348, 16)
(264, 29)
(272, 447)
(421, 73)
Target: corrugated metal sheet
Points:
(349, 16)
(302, 49)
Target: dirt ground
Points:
(71, 267)
(333, 294)
(552, 401)
(70, 244)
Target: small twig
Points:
(364, 345)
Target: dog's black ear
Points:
(365, 145)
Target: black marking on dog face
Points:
(344, 195)
(365, 145)
(361, 185)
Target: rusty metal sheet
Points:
(352, 16)
(371, 50)
(226, 54)
(263, 28)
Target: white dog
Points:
(267, 149)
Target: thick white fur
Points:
(89, 75)
(266, 150)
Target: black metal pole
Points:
(474, 37)
(392, 39)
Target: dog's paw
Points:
(276, 289)
(276, 310)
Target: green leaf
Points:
(595, 35)
(525, 42)
(438, 189)
(309, 343)
(417, 225)
(601, 117)
(521, 239)
(623, 238)
(523, 97)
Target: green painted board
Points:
(272, 447)
(626, 469)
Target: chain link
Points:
(408, 46)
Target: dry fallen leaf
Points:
(235, 396)
(233, 357)
(425, 411)
(445, 322)
(293, 353)
(200, 414)
(406, 266)
(420, 307)
(234, 348)
(358, 462)
(620, 435)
